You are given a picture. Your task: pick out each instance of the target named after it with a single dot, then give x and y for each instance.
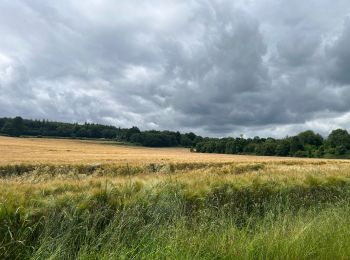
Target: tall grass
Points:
(184, 212)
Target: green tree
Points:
(295, 146)
(340, 150)
(13, 127)
(191, 136)
(267, 148)
(186, 141)
(230, 147)
(18, 125)
(339, 137)
(178, 137)
(250, 148)
(310, 137)
(282, 148)
(7, 128)
(131, 131)
(137, 138)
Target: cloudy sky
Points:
(218, 68)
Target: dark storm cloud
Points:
(266, 67)
(339, 56)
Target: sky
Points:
(217, 68)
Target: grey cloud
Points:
(214, 67)
(339, 56)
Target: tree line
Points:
(305, 144)
(26, 127)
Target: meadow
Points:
(73, 199)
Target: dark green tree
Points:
(186, 141)
(340, 150)
(13, 127)
(131, 131)
(295, 145)
(8, 128)
(339, 137)
(282, 148)
(311, 138)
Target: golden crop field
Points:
(64, 151)
(84, 199)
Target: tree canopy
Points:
(26, 127)
(304, 144)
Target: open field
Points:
(68, 199)
(63, 151)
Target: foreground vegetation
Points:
(179, 210)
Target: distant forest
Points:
(26, 127)
(305, 144)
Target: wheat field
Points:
(64, 151)
(80, 199)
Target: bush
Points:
(340, 150)
(301, 154)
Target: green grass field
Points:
(177, 209)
